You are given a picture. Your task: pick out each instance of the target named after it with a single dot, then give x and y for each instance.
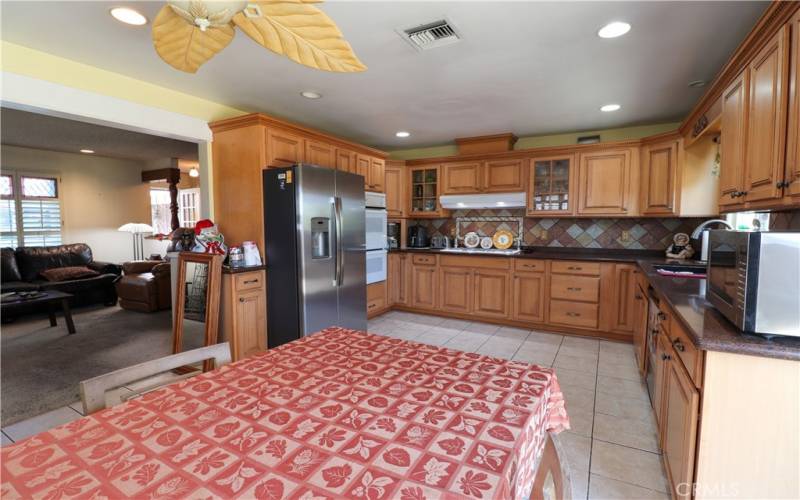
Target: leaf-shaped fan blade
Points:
(183, 45)
(301, 32)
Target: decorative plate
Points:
(472, 240)
(503, 239)
(486, 243)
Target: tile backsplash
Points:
(644, 233)
(785, 221)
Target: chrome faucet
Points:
(702, 230)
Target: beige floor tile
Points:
(436, 336)
(576, 378)
(541, 347)
(41, 423)
(634, 389)
(620, 406)
(577, 449)
(619, 348)
(545, 338)
(511, 332)
(632, 432)
(581, 420)
(484, 328)
(5, 440)
(578, 352)
(637, 467)
(467, 341)
(578, 399)
(457, 324)
(499, 348)
(626, 369)
(603, 488)
(575, 363)
(584, 343)
(535, 357)
(579, 482)
(424, 319)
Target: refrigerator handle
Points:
(337, 213)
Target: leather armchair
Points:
(145, 286)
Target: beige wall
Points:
(97, 196)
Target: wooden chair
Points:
(93, 390)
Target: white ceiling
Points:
(527, 67)
(33, 130)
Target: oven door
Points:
(376, 266)
(376, 229)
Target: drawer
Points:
(690, 356)
(579, 314)
(475, 262)
(580, 288)
(424, 260)
(575, 267)
(248, 281)
(375, 305)
(530, 265)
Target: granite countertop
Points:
(709, 329)
(243, 269)
(598, 254)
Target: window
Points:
(188, 208)
(30, 210)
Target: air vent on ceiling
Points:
(431, 35)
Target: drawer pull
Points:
(574, 289)
(573, 314)
(241, 299)
(575, 268)
(371, 306)
(247, 282)
(678, 345)
(661, 316)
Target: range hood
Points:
(494, 200)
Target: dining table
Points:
(337, 414)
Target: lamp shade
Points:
(135, 227)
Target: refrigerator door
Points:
(352, 290)
(316, 249)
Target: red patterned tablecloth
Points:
(337, 414)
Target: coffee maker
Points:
(418, 237)
(393, 234)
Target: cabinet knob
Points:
(241, 299)
(679, 345)
(661, 316)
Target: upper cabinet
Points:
(732, 141)
(424, 183)
(766, 120)
(320, 153)
(462, 177)
(604, 182)
(661, 164)
(791, 181)
(504, 176)
(375, 175)
(552, 186)
(346, 161)
(494, 176)
(284, 149)
(362, 166)
(394, 180)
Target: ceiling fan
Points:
(186, 34)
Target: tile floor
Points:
(611, 449)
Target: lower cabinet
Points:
(623, 304)
(243, 315)
(376, 298)
(424, 284)
(491, 293)
(455, 285)
(640, 326)
(660, 375)
(528, 295)
(397, 277)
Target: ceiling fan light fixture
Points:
(402, 134)
(613, 30)
(310, 94)
(193, 172)
(609, 108)
(128, 16)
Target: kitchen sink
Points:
(681, 270)
(481, 251)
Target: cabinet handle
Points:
(574, 268)
(679, 345)
(661, 316)
(241, 299)
(371, 306)
(574, 289)
(247, 282)
(666, 357)
(573, 314)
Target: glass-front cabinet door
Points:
(551, 186)
(425, 191)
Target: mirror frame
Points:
(213, 291)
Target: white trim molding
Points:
(40, 96)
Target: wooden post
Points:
(173, 203)
(172, 176)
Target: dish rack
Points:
(461, 220)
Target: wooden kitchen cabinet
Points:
(640, 325)
(679, 423)
(552, 186)
(394, 180)
(461, 177)
(377, 300)
(528, 296)
(623, 303)
(766, 120)
(732, 140)
(375, 175)
(320, 153)
(362, 166)
(284, 149)
(243, 313)
(425, 184)
(398, 278)
(455, 289)
(424, 282)
(660, 374)
(491, 295)
(504, 176)
(660, 174)
(604, 182)
(792, 173)
(346, 161)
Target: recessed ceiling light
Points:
(697, 84)
(613, 30)
(128, 16)
(87, 151)
(610, 107)
(309, 94)
(402, 133)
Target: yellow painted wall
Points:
(35, 64)
(608, 135)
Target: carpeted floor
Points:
(42, 366)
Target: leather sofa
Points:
(22, 272)
(145, 286)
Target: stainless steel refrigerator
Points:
(314, 232)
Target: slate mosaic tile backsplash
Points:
(642, 234)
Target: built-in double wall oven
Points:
(376, 237)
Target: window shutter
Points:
(8, 223)
(41, 222)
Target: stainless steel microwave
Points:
(754, 280)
